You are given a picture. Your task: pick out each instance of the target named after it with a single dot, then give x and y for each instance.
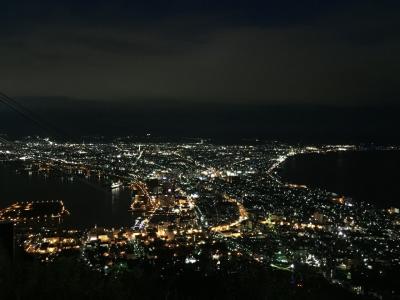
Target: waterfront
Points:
(88, 202)
(364, 175)
(370, 176)
(199, 207)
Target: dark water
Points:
(371, 176)
(88, 204)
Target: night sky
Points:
(297, 70)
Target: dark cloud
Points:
(202, 52)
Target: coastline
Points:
(306, 182)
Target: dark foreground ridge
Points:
(67, 279)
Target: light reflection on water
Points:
(87, 200)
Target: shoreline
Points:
(295, 184)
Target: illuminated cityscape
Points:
(205, 207)
(199, 150)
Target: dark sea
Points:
(87, 201)
(371, 176)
